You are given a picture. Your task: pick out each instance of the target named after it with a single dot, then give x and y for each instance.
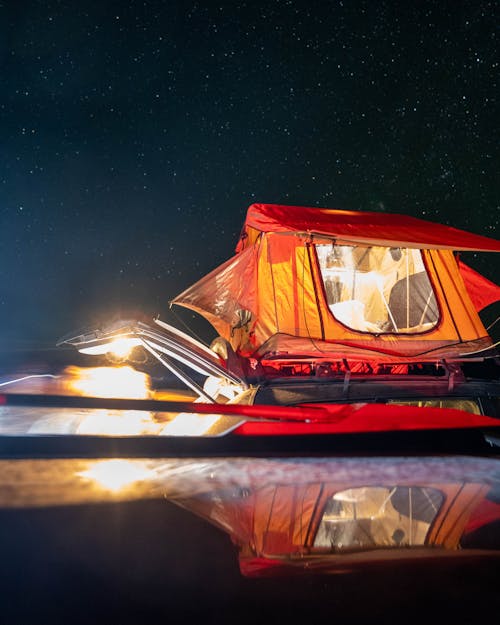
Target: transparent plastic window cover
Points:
(378, 516)
(378, 289)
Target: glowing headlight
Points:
(120, 347)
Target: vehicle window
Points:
(378, 289)
(378, 516)
(468, 405)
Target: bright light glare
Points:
(116, 475)
(185, 424)
(110, 382)
(120, 348)
(118, 423)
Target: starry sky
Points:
(134, 135)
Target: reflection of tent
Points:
(271, 298)
(305, 513)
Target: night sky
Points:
(134, 135)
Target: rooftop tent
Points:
(339, 284)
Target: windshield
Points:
(378, 289)
(469, 405)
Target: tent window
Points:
(378, 516)
(378, 289)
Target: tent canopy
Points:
(365, 228)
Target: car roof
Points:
(291, 391)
